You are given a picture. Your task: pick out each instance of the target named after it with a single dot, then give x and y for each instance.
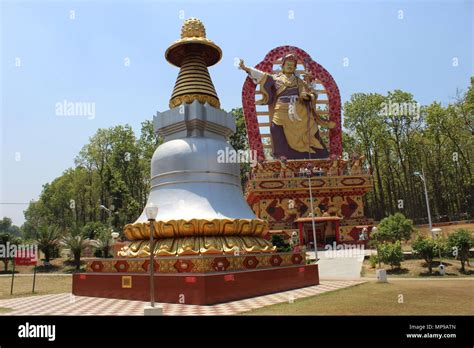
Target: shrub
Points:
(390, 254)
(373, 259)
(48, 239)
(103, 243)
(279, 242)
(460, 242)
(76, 241)
(6, 240)
(393, 228)
(428, 249)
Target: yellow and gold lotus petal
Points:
(199, 245)
(197, 227)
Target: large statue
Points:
(292, 108)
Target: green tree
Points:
(48, 238)
(394, 228)
(6, 241)
(460, 242)
(76, 241)
(113, 170)
(6, 226)
(103, 242)
(397, 141)
(390, 254)
(239, 142)
(428, 249)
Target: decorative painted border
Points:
(318, 72)
(362, 184)
(218, 263)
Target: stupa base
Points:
(198, 280)
(196, 288)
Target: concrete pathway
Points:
(340, 264)
(68, 304)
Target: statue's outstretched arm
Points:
(255, 74)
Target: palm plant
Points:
(76, 241)
(6, 240)
(48, 239)
(103, 242)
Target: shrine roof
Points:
(319, 219)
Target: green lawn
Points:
(22, 286)
(420, 297)
(418, 268)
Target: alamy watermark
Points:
(400, 109)
(345, 250)
(8, 251)
(70, 108)
(230, 155)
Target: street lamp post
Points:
(110, 212)
(308, 173)
(422, 177)
(151, 211)
(437, 233)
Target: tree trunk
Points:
(77, 260)
(47, 254)
(430, 266)
(5, 263)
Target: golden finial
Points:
(193, 27)
(193, 53)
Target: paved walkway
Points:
(67, 304)
(340, 264)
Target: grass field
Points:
(418, 268)
(418, 297)
(445, 232)
(58, 265)
(445, 296)
(22, 285)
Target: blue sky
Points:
(82, 60)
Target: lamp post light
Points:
(115, 236)
(437, 232)
(380, 273)
(109, 220)
(103, 207)
(151, 211)
(309, 172)
(422, 177)
(108, 211)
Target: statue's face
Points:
(289, 67)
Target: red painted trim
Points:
(300, 227)
(207, 288)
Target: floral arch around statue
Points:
(328, 96)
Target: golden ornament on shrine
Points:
(193, 53)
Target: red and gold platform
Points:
(197, 280)
(279, 194)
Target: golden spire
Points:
(193, 53)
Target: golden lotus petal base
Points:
(189, 98)
(197, 227)
(198, 245)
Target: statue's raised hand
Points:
(242, 66)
